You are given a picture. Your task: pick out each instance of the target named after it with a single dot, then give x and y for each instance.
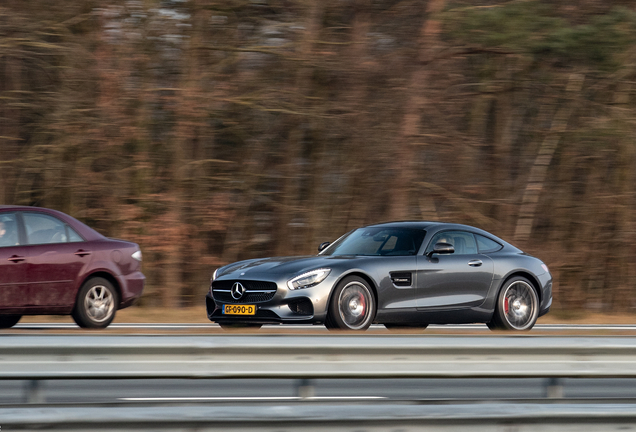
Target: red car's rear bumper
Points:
(132, 286)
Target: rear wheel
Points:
(517, 306)
(352, 305)
(8, 321)
(96, 304)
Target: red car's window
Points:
(72, 235)
(8, 230)
(44, 229)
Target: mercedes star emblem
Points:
(237, 291)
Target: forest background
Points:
(210, 131)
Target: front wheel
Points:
(352, 305)
(8, 321)
(517, 306)
(96, 304)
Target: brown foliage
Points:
(218, 130)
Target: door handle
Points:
(82, 252)
(16, 258)
(475, 263)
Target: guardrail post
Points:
(34, 392)
(554, 388)
(305, 389)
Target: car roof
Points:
(427, 225)
(405, 224)
(422, 225)
(87, 232)
(30, 208)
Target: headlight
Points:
(545, 267)
(137, 255)
(308, 279)
(214, 275)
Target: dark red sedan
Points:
(53, 264)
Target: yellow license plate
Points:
(239, 309)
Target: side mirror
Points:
(323, 246)
(442, 248)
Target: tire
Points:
(237, 326)
(517, 306)
(8, 321)
(96, 304)
(352, 305)
(398, 327)
(330, 325)
(492, 325)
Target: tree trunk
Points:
(539, 170)
(288, 209)
(404, 172)
(358, 151)
(182, 141)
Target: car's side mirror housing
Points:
(442, 249)
(323, 246)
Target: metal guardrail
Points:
(36, 358)
(236, 356)
(304, 358)
(314, 418)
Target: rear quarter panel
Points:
(113, 257)
(506, 265)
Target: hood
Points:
(279, 265)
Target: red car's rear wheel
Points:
(96, 304)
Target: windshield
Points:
(374, 241)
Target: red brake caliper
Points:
(363, 302)
(506, 303)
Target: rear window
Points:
(45, 229)
(487, 245)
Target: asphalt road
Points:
(459, 328)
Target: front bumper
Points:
(298, 306)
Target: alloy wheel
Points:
(354, 305)
(99, 303)
(520, 305)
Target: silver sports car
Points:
(400, 274)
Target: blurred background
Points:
(210, 131)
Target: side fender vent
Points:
(401, 279)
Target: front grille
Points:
(255, 291)
(248, 297)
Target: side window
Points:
(8, 230)
(44, 229)
(486, 245)
(463, 242)
(73, 237)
